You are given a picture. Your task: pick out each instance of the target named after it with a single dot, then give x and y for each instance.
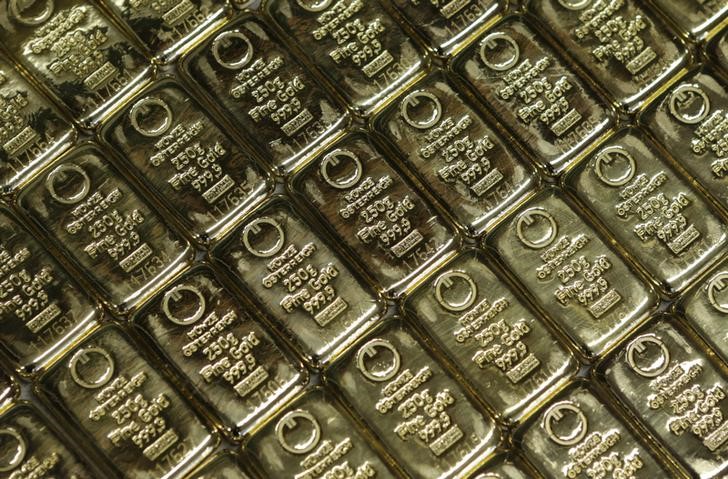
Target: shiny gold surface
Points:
(357, 239)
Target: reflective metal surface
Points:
(360, 239)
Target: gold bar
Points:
(186, 159)
(654, 213)
(219, 351)
(677, 393)
(273, 101)
(419, 413)
(301, 283)
(534, 92)
(572, 273)
(373, 210)
(457, 153)
(125, 410)
(102, 223)
(503, 349)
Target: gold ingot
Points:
(125, 409)
(273, 100)
(224, 465)
(626, 48)
(30, 448)
(186, 159)
(44, 310)
(534, 92)
(677, 394)
(32, 130)
(688, 120)
(75, 52)
(577, 435)
(457, 152)
(504, 351)
(697, 21)
(314, 437)
(220, 352)
(120, 242)
(420, 414)
(356, 44)
(299, 281)
(654, 213)
(375, 212)
(572, 273)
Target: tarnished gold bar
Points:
(273, 100)
(356, 44)
(104, 226)
(32, 130)
(705, 307)
(696, 20)
(31, 449)
(314, 437)
(168, 27)
(125, 409)
(577, 435)
(655, 214)
(691, 121)
(42, 309)
(457, 153)
(419, 413)
(534, 92)
(625, 46)
(373, 210)
(75, 52)
(184, 157)
(225, 465)
(573, 274)
(512, 361)
(299, 281)
(447, 24)
(220, 352)
(677, 393)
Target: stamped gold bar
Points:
(225, 465)
(719, 51)
(419, 413)
(32, 130)
(104, 226)
(31, 449)
(677, 393)
(168, 27)
(273, 100)
(355, 43)
(187, 159)
(75, 52)
(314, 437)
(373, 210)
(447, 24)
(534, 92)
(691, 121)
(574, 275)
(500, 346)
(224, 355)
(126, 409)
(457, 153)
(42, 309)
(577, 436)
(299, 281)
(705, 307)
(697, 20)
(653, 211)
(625, 47)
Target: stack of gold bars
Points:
(355, 239)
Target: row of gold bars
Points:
(348, 239)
